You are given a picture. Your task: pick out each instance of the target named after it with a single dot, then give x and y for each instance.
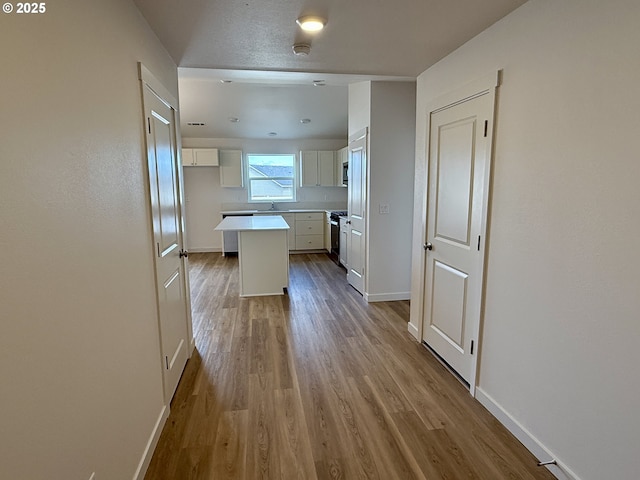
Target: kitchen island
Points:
(263, 253)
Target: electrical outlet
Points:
(384, 208)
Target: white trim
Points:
(413, 330)
(358, 135)
(485, 85)
(387, 297)
(205, 250)
(561, 471)
(464, 93)
(146, 77)
(151, 444)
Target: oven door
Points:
(335, 237)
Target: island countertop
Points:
(251, 223)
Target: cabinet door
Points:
(205, 157)
(187, 157)
(231, 168)
(326, 168)
(337, 167)
(309, 168)
(310, 227)
(309, 242)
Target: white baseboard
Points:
(205, 250)
(535, 446)
(413, 330)
(386, 297)
(151, 444)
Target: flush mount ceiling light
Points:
(301, 49)
(319, 83)
(272, 134)
(311, 23)
(226, 81)
(233, 119)
(305, 120)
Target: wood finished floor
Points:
(320, 385)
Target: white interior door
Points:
(459, 161)
(170, 269)
(357, 212)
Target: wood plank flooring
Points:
(320, 385)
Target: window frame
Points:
(293, 178)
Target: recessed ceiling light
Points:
(311, 23)
(272, 134)
(234, 119)
(301, 49)
(305, 120)
(226, 81)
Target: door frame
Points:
(362, 134)
(149, 80)
(485, 85)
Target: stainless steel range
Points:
(335, 233)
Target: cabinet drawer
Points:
(309, 242)
(309, 216)
(309, 227)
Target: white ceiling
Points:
(249, 41)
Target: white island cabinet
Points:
(263, 253)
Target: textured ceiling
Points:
(399, 38)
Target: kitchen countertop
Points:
(251, 223)
(271, 212)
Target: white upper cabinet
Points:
(309, 168)
(342, 158)
(200, 157)
(317, 168)
(231, 168)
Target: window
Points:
(271, 178)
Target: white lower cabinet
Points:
(291, 221)
(309, 231)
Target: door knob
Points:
(184, 253)
(428, 246)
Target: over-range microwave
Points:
(345, 174)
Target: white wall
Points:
(359, 106)
(387, 109)
(391, 174)
(79, 353)
(561, 325)
(205, 198)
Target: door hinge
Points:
(166, 361)
(149, 125)
(478, 242)
(471, 347)
(486, 127)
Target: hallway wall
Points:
(79, 348)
